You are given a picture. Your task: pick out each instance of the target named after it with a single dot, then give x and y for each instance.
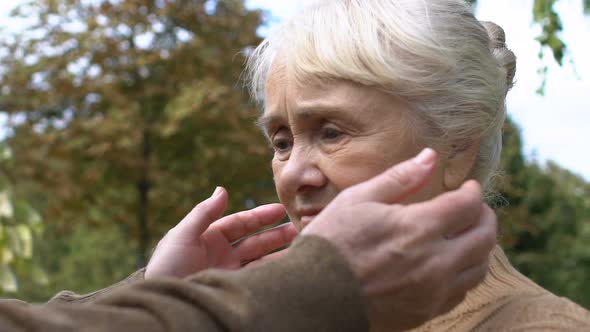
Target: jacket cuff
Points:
(65, 297)
(312, 289)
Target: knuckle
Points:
(419, 231)
(429, 227)
(399, 176)
(401, 224)
(486, 238)
(439, 269)
(466, 201)
(473, 188)
(250, 220)
(468, 198)
(396, 254)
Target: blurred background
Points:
(117, 116)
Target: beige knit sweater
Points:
(509, 301)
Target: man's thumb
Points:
(399, 181)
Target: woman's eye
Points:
(331, 134)
(281, 145)
(282, 142)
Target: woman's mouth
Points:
(305, 220)
(307, 215)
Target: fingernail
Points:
(426, 157)
(217, 192)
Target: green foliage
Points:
(116, 105)
(19, 225)
(85, 259)
(545, 15)
(546, 226)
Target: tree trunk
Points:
(143, 188)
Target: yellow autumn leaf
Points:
(8, 281)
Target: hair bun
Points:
(503, 55)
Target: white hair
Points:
(452, 70)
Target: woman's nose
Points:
(301, 171)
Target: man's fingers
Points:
(202, 215)
(238, 225)
(398, 182)
(475, 244)
(468, 279)
(462, 283)
(454, 211)
(260, 244)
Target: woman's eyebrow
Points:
(325, 111)
(265, 122)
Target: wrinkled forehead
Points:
(349, 102)
(278, 77)
(285, 90)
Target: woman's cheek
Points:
(348, 168)
(282, 192)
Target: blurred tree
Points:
(19, 225)
(545, 218)
(86, 259)
(546, 224)
(114, 108)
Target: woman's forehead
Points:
(339, 100)
(311, 92)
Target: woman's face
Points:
(329, 136)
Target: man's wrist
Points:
(312, 288)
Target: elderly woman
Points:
(350, 87)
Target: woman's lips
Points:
(306, 215)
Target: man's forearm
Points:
(311, 289)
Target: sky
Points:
(555, 126)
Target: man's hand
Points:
(414, 261)
(202, 240)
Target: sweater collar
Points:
(502, 282)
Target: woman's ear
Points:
(459, 164)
